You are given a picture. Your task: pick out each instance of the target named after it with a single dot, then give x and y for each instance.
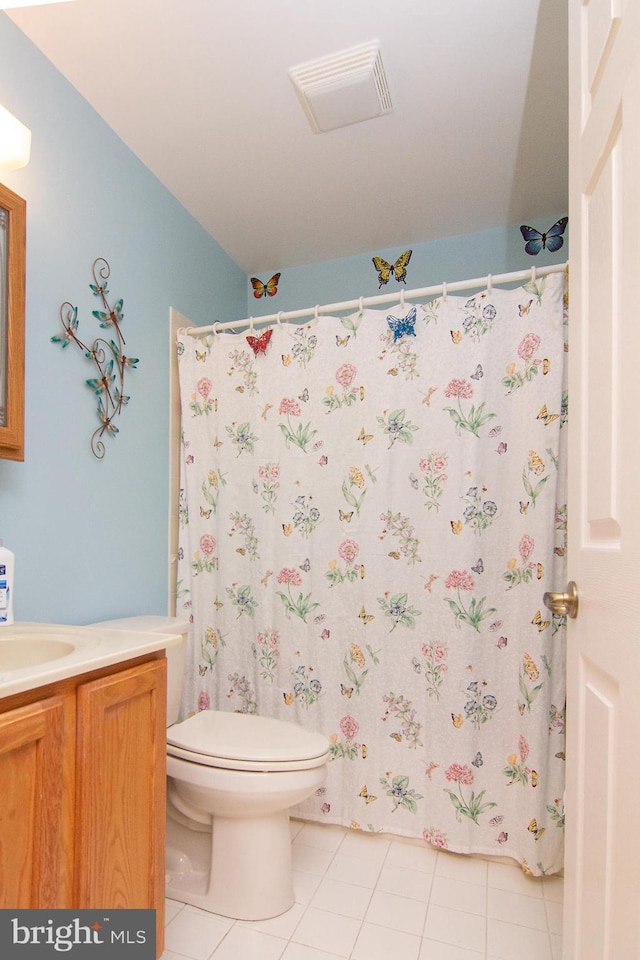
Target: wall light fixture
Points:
(15, 141)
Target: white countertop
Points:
(82, 648)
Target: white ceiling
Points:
(200, 92)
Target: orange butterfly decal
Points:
(268, 289)
(260, 344)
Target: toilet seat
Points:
(241, 741)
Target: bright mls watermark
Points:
(78, 934)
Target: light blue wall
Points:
(453, 258)
(90, 537)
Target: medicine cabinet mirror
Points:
(13, 217)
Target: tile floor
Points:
(371, 897)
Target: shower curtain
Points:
(371, 508)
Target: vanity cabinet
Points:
(82, 802)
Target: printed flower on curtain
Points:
(516, 770)
(354, 482)
(435, 837)
(242, 600)
(305, 690)
(303, 605)
(556, 811)
(306, 517)
(210, 646)
(211, 490)
(405, 357)
(473, 616)
(398, 789)
(560, 521)
(242, 687)
(405, 712)
(242, 437)
(480, 317)
(243, 361)
(266, 651)
(479, 513)
(434, 467)
(434, 666)
(300, 436)
(527, 349)
(534, 466)
(401, 528)
(269, 474)
(522, 573)
(304, 345)
(473, 807)
(348, 552)
(396, 608)
(356, 669)
(345, 375)
(480, 706)
(397, 427)
(347, 748)
(204, 559)
(243, 524)
(475, 417)
(529, 687)
(206, 404)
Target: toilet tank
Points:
(175, 653)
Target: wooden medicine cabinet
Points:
(13, 219)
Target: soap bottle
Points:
(7, 567)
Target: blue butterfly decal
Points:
(404, 326)
(551, 240)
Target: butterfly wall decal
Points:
(398, 269)
(552, 240)
(268, 289)
(405, 326)
(260, 344)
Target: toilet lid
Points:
(244, 736)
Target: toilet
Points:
(231, 779)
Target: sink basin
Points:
(32, 649)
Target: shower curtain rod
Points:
(331, 308)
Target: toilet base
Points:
(252, 878)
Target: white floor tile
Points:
(248, 944)
(353, 870)
(554, 916)
(327, 931)
(553, 889)
(455, 927)
(457, 866)
(282, 926)
(308, 859)
(326, 837)
(195, 934)
(515, 908)
(382, 943)
(397, 913)
(345, 899)
(365, 846)
(556, 946)
(432, 950)
(169, 955)
(459, 895)
(508, 941)
(298, 951)
(411, 856)
(503, 876)
(404, 882)
(305, 885)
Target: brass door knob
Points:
(563, 603)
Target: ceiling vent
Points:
(344, 88)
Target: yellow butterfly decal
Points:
(202, 670)
(535, 829)
(539, 570)
(546, 416)
(429, 770)
(288, 698)
(539, 622)
(363, 749)
(268, 289)
(265, 580)
(530, 668)
(362, 393)
(201, 355)
(264, 413)
(394, 555)
(287, 529)
(240, 389)
(346, 691)
(367, 797)
(365, 437)
(392, 372)
(456, 336)
(345, 516)
(205, 513)
(241, 551)
(396, 736)
(365, 617)
(429, 583)
(398, 269)
(286, 359)
(456, 526)
(545, 366)
(536, 463)
(524, 506)
(217, 443)
(456, 719)
(357, 655)
(427, 396)
(342, 341)
(534, 778)
(524, 308)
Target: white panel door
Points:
(602, 885)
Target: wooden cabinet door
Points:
(120, 812)
(36, 804)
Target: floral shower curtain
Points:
(371, 509)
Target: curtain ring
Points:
(489, 285)
(251, 324)
(215, 328)
(402, 298)
(316, 312)
(444, 290)
(279, 318)
(361, 304)
(533, 274)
